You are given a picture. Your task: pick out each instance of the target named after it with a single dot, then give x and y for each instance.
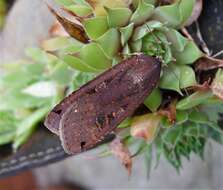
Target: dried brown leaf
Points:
(122, 153)
(206, 63)
(57, 30)
(73, 29)
(145, 126)
(169, 112)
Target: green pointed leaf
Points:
(93, 55)
(65, 2)
(126, 33)
(111, 37)
(78, 64)
(37, 55)
(171, 78)
(63, 44)
(95, 27)
(80, 10)
(181, 117)
(178, 42)
(126, 51)
(145, 29)
(118, 17)
(154, 100)
(61, 74)
(187, 77)
(198, 117)
(79, 79)
(136, 46)
(189, 55)
(136, 2)
(28, 125)
(14, 99)
(194, 100)
(168, 14)
(172, 136)
(126, 123)
(215, 127)
(186, 8)
(142, 13)
(7, 127)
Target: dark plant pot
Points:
(44, 148)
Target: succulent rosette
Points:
(178, 121)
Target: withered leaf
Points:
(122, 153)
(73, 29)
(169, 112)
(88, 115)
(208, 63)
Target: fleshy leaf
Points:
(80, 10)
(79, 79)
(42, 89)
(7, 127)
(168, 14)
(125, 123)
(37, 55)
(154, 100)
(99, 5)
(145, 126)
(63, 44)
(198, 117)
(171, 78)
(172, 136)
(189, 55)
(78, 64)
(142, 13)
(93, 55)
(126, 51)
(28, 125)
(61, 73)
(110, 42)
(194, 100)
(65, 2)
(126, 33)
(181, 117)
(14, 99)
(136, 46)
(95, 27)
(178, 42)
(118, 17)
(143, 30)
(186, 8)
(187, 76)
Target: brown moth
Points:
(88, 115)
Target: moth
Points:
(87, 116)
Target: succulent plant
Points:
(182, 113)
(178, 120)
(29, 88)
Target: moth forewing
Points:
(96, 109)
